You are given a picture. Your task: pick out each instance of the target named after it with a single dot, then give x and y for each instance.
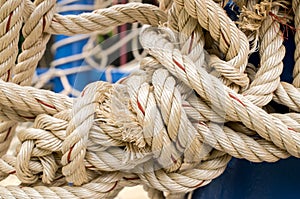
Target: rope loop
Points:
(172, 125)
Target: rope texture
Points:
(172, 126)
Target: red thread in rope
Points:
(173, 159)
(69, 154)
(112, 188)
(198, 185)
(82, 93)
(12, 172)
(140, 107)
(8, 132)
(291, 129)
(186, 105)
(45, 104)
(283, 21)
(179, 65)
(237, 99)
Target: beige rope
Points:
(11, 23)
(271, 53)
(231, 42)
(35, 41)
(288, 95)
(104, 20)
(16, 107)
(171, 126)
(237, 107)
(296, 73)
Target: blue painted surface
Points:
(245, 180)
(71, 49)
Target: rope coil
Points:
(172, 126)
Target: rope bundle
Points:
(173, 125)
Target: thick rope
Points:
(235, 106)
(34, 45)
(104, 20)
(233, 44)
(271, 53)
(296, 73)
(11, 22)
(172, 126)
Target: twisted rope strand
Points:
(271, 53)
(296, 72)
(230, 40)
(11, 23)
(171, 126)
(35, 41)
(104, 20)
(236, 106)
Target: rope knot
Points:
(77, 133)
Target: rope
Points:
(296, 73)
(104, 19)
(171, 126)
(271, 53)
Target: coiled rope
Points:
(173, 125)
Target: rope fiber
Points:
(172, 125)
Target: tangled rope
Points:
(173, 125)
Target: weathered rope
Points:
(104, 20)
(172, 126)
(296, 9)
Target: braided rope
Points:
(11, 22)
(172, 126)
(104, 19)
(296, 73)
(271, 53)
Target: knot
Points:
(77, 133)
(228, 71)
(166, 127)
(37, 158)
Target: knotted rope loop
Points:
(234, 105)
(231, 42)
(75, 144)
(173, 125)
